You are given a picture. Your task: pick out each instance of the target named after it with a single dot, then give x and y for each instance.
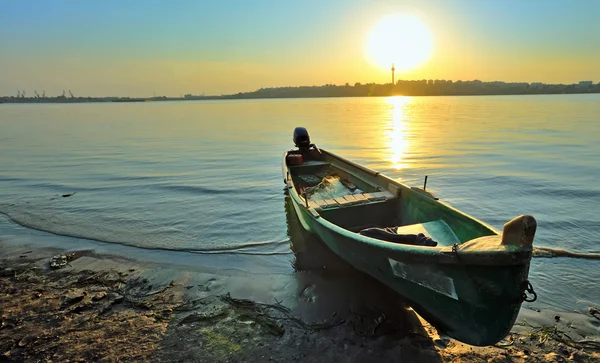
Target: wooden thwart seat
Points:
(349, 199)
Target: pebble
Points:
(562, 350)
(58, 261)
(441, 342)
(577, 357)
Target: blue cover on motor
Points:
(390, 235)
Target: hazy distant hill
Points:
(406, 88)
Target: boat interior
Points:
(360, 200)
(359, 203)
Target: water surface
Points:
(205, 176)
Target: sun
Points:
(401, 39)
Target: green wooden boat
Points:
(469, 283)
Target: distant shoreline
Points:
(401, 88)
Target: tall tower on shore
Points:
(393, 69)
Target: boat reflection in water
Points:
(331, 290)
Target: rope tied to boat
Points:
(525, 289)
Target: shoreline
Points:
(109, 306)
(249, 96)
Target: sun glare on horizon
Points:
(401, 39)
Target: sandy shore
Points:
(103, 307)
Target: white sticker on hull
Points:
(423, 276)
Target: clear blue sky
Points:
(140, 47)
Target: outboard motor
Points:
(301, 137)
(306, 150)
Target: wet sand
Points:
(110, 307)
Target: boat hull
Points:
(475, 304)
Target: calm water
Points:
(206, 176)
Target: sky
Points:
(141, 48)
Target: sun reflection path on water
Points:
(398, 134)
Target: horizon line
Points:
(346, 84)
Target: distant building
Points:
(584, 84)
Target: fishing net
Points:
(330, 187)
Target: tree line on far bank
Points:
(420, 88)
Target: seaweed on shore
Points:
(262, 313)
(543, 334)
